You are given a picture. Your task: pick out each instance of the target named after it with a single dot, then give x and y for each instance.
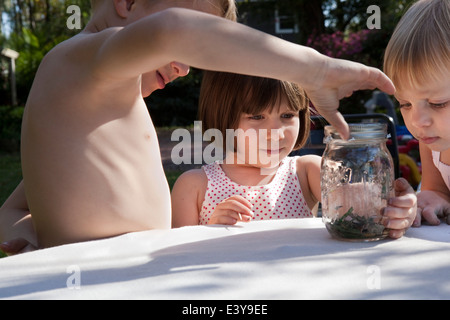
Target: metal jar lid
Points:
(359, 131)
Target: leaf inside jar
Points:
(354, 226)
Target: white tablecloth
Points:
(284, 259)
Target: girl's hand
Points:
(232, 210)
(430, 207)
(402, 209)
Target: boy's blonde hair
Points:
(229, 10)
(224, 97)
(227, 7)
(419, 50)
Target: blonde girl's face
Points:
(264, 139)
(426, 112)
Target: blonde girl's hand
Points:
(431, 207)
(402, 209)
(231, 210)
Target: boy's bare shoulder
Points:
(78, 55)
(86, 41)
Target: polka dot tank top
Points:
(282, 198)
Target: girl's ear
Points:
(123, 7)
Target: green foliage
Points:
(177, 104)
(10, 174)
(10, 125)
(37, 26)
(172, 176)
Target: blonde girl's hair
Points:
(224, 97)
(419, 49)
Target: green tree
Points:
(36, 27)
(336, 28)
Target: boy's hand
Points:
(402, 209)
(17, 246)
(232, 210)
(431, 207)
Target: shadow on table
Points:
(267, 247)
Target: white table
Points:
(284, 259)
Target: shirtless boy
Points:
(90, 155)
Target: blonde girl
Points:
(417, 59)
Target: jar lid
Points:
(360, 131)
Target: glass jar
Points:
(357, 180)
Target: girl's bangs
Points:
(416, 72)
(269, 94)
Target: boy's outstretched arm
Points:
(208, 42)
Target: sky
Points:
(5, 25)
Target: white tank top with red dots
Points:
(282, 198)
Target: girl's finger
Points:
(418, 219)
(241, 200)
(404, 201)
(236, 206)
(398, 224)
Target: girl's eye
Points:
(405, 105)
(288, 115)
(439, 105)
(256, 117)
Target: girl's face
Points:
(426, 111)
(264, 139)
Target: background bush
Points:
(10, 124)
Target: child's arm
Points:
(17, 233)
(208, 42)
(188, 191)
(433, 201)
(308, 172)
(188, 194)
